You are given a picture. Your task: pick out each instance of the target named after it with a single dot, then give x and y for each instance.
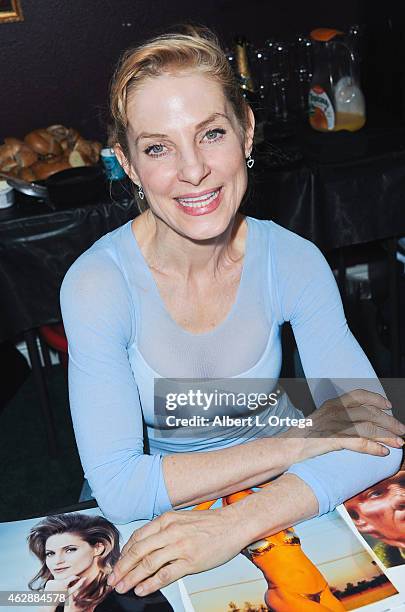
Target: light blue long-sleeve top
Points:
(121, 337)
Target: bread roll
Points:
(14, 143)
(73, 136)
(43, 169)
(84, 148)
(60, 132)
(22, 154)
(6, 155)
(26, 157)
(27, 174)
(43, 142)
(44, 152)
(65, 144)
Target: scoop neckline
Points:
(235, 303)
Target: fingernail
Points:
(110, 579)
(388, 403)
(120, 587)
(385, 451)
(139, 590)
(400, 441)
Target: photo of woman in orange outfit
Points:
(294, 582)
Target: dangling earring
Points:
(140, 192)
(250, 161)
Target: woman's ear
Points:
(126, 165)
(99, 549)
(250, 130)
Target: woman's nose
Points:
(59, 558)
(192, 167)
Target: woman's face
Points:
(66, 554)
(188, 153)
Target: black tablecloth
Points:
(37, 246)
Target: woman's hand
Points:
(357, 421)
(176, 544)
(65, 586)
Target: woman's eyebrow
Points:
(210, 119)
(198, 127)
(149, 135)
(62, 547)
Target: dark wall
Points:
(56, 65)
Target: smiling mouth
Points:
(199, 201)
(60, 569)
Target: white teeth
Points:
(198, 201)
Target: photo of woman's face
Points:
(67, 554)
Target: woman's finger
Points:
(147, 567)
(66, 582)
(368, 429)
(336, 420)
(391, 441)
(166, 575)
(365, 446)
(146, 531)
(375, 416)
(137, 552)
(358, 397)
(76, 586)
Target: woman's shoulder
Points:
(296, 266)
(102, 257)
(103, 251)
(282, 242)
(98, 274)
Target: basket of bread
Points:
(59, 158)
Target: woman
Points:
(192, 289)
(294, 582)
(77, 553)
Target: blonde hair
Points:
(195, 49)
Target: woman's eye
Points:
(48, 554)
(214, 134)
(375, 493)
(71, 549)
(156, 150)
